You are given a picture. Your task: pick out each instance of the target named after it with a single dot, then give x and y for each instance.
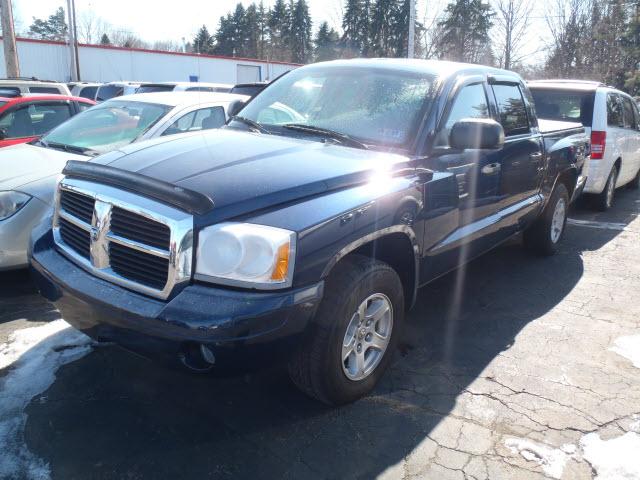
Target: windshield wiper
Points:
(255, 126)
(70, 148)
(340, 137)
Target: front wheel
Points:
(544, 236)
(355, 331)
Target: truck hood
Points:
(23, 164)
(243, 171)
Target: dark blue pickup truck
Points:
(304, 228)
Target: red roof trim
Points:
(146, 50)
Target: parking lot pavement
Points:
(514, 367)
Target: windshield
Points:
(374, 106)
(564, 105)
(107, 126)
(154, 88)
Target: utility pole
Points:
(9, 40)
(411, 47)
(74, 66)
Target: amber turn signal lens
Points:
(282, 264)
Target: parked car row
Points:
(302, 229)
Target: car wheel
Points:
(544, 236)
(635, 183)
(604, 200)
(349, 344)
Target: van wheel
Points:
(545, 234)
(354, 333)
(604, 200)
(635, 183)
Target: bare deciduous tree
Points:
(510, 30)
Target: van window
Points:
(105, 92)
(564, 105)
(512, 110)
(614, 111)
(44, 90)
(88, 92)
(629, 118)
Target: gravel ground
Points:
(514, 367)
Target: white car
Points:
(612, 119)
(184, 87)
(29, 172)
(33, 85)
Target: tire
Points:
(635, 183)
(604, 201)
(544, 236)
(317, 367)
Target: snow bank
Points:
(552, 460)
(32, 356)
(615, 459)
(628, 347)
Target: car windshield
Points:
(564, 105)
(374, 106)
(107, 126)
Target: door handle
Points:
(536, 156)
(491, 168)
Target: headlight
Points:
(246, 255)
(11, 202)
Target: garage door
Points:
(248, 74)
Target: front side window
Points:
(512, 110)
(34, 119)
(470, 102)
(615, 117)
(373, 106)
(106, 92)
(88, 92)
(202, 119)
(107, 126)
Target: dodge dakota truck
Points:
(303, 229)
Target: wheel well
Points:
(396, 250)
(618, 164)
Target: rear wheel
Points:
(604, 200)
(544, 236)
(352, 338)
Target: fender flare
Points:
(351, 247)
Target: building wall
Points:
(51, 60)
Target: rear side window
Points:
(512, 110)
(44, 90)
(564, 105)
(629, 117)
(615, 117)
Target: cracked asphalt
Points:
(505, 367)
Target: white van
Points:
(612, 119)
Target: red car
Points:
(25, 118)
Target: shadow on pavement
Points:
(114, 415)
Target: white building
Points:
(99, 63)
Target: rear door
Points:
(522, 160)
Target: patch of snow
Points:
(615, 459)
(628, 347)
(32, 356)
(569, 448)
(635, 426)
(552, 460)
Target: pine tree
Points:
(383, 31)
(277, 21)
(263, 31)
(300, 33)
(225, 37)
(465, 32)
(203, 41)
(53, 28)
(326, 43)
(104, 40)
(251, 32)
(238, 32)
(356, 27)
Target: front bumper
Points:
(239, 327)
(15, 231)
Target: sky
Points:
(155, 20)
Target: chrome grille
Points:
(130, 240)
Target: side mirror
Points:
(235, 107)
(3, 133)
(476, 134)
